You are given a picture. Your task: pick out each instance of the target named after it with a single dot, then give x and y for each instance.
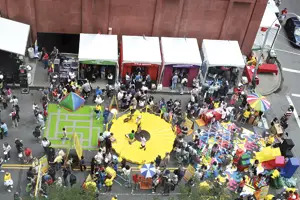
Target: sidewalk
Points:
(39, 79)
(268, 83)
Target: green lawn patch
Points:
(79, 122)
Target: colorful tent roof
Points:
(72, 102)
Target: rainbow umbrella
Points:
(258, 102)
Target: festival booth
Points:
(100, 50)
(222, 59)
(140, 54)
(13, 39)
(179, 54)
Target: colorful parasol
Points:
(258, 102)
(148, 170)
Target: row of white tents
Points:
(103, 49)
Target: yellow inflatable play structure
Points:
(157, 132)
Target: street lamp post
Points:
(262, 48)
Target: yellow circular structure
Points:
(160, 142)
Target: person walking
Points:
(46, 144)
(46, 60)
(14, 101)
(115, 197)
(105, 116)
(82, 164)
(108, 183)
(174, 81)
(64, 137)
(66, 172)
(41, 120)
(127, 174)
(6, 151)
(86, 89)
(98, 111)
(183, 84)
(72, 179)
(13, 116)
(4, 129)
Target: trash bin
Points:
(271, 59)
(30, 52)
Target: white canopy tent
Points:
(98, 49)
(222, 53)
(13, 36)
(140, 49)
(183, 51)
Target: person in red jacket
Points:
(46, 60)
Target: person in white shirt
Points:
(142, 103)
(127, 79)
(41, 121)
(72, 75)
(86, 89)
(6, 151)
(183, 85)
(34, 106)
(99, 100)
(120, 95)
(14, 101)
(106, 134)
(127, 173)
(99, 157)
(46, 144)
(143, 143)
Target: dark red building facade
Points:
(204, 19)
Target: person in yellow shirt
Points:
(270, 140)
(98, 111)
(269, 197)
(246, 115)
(216, 104)
(114, 197)
(252, 60)
(108, 183)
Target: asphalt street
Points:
(290, 93)
(24, 132)
(290, 61)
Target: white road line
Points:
(291, 70)
(295, 95)
(295, 111)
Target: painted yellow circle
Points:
(161, 138)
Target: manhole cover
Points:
(142, 133)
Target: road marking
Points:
(295, 111)
(23, 166)
(291, 70)
(295, 95)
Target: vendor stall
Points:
(13, 42)
(140, 54)
(99, 53)
(13, 36)
(179, 55)
(223, 63)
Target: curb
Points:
(278, 87)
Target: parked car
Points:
(292, 28)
